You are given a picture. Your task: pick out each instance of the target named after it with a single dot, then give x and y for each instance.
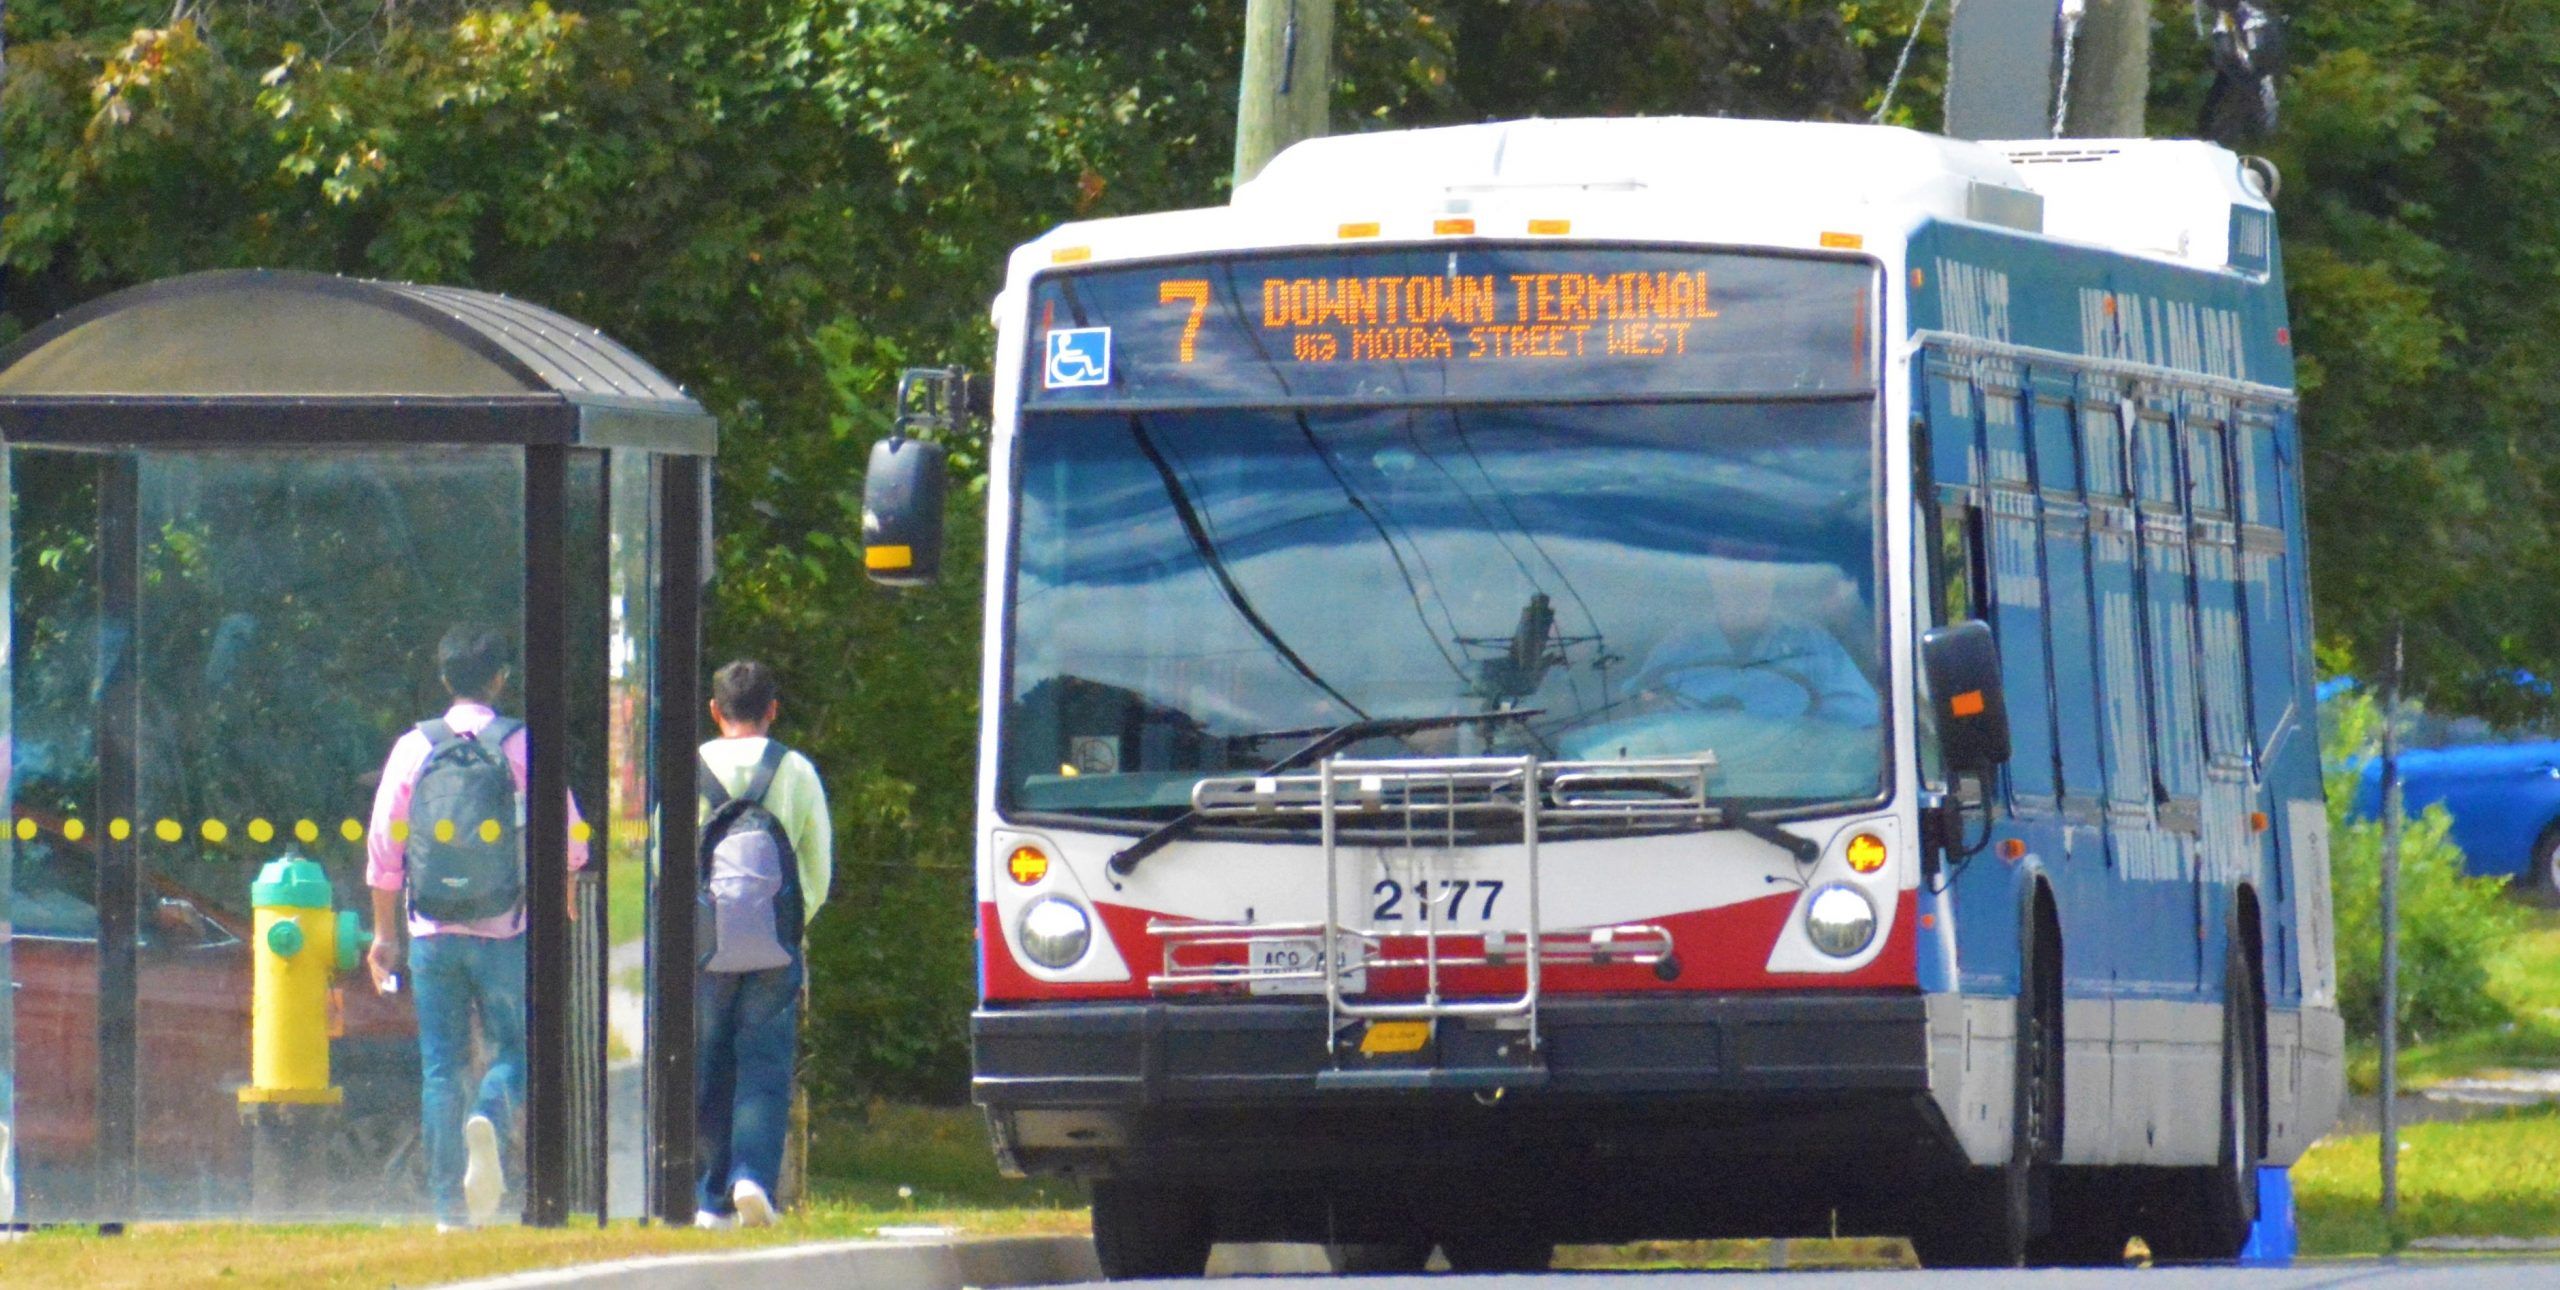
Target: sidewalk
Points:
(986, 1262)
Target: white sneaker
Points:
(710, 1222)
(755, 1209)
(483, 1181)
(448, 1229)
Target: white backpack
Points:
(751, 914)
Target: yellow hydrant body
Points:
(298, 947)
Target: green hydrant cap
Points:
(353, 941)
(291, 882)
(285, 939)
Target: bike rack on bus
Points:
(1425, 810)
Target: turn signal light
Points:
(1866, 853)
(1027, 865)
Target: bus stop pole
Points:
(546, 836)
(683, 559)
(2390, 914)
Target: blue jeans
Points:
(457, 977)
(748, 1025)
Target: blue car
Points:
(2505, 802)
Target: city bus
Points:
(1589, 680)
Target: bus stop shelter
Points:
(245, 507)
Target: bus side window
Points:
(2265, 591)
(2111, 578)
(2017, 590)
(2170, 611)
(2066, 569)
(2225, 658)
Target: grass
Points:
(938, 1155)
(2525, 975)
(2498, 1176)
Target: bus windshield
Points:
(1200, 590)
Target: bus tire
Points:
(1489, 1250)
(1144, 1231)
(2092, 1220)
(1989, 1218)
(2210, 1216)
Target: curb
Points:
(874, 1265)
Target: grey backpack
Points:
(460, 869)
(751, 914)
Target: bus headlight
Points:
(1055, 932)
(1840, 920)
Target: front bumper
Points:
(1151, 1054)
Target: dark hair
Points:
(744, 689)
(469, 659)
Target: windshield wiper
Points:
(1804, 849)
(1331, 741)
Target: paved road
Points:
(2424, 1274)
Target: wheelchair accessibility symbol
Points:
(1079, 356)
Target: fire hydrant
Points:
(299, 947)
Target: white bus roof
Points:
(2163, 198)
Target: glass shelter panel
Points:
(238, 656)
(625, 861)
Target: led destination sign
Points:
(1414, 324)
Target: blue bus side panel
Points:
(2145, 579)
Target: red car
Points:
(193, 986)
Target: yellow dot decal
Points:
(399, 830)
(119, 829)
(582, 832)
(26, 830)
(488, 830)
(444, 830)
(351, 831)
(261, 831)
(169, 830)
(216, 831)
(306, 831)
(74, 830)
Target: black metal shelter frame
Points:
(269, 359)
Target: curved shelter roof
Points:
(255, 357)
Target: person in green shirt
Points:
(748, 1022)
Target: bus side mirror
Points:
(1963, 667)
(902, 512)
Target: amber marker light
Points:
(1843, 241)
(1363, 228)
(1027, 865)
(1071, 255)
(1448, 226)
(1550, 227)
(1866, 853)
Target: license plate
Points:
(1295, 955)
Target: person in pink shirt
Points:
(469, 962)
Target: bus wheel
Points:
(1988, 1217)
(1485, 1250)
(2210, 1216)
(1144, 1231)
(2092, 1221)
(1380, 1258)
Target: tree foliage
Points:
(2450, 922)
(781, 202)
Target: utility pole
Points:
(2106, 69)
(2033, 69)
(1288, 79)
